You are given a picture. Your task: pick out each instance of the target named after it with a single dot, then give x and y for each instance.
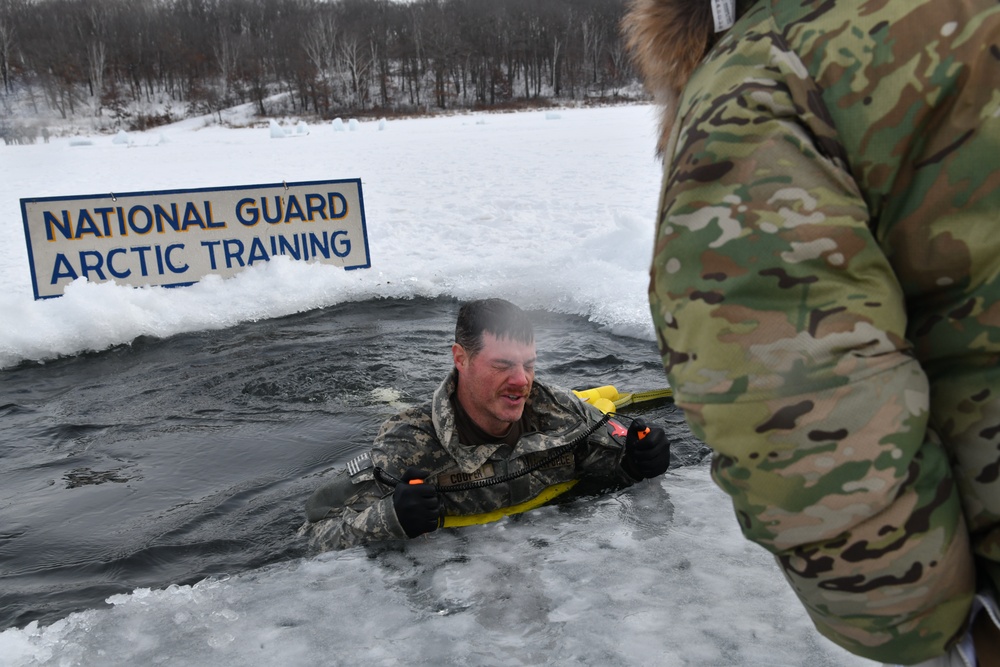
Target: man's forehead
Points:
(507, 348)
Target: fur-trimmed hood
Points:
(667, 39)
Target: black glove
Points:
(647, 451)
(416, 505)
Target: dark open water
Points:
(170, 460)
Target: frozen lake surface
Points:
(157, 445)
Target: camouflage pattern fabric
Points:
(826, 291)
(425, 437)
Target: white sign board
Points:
(177, 237)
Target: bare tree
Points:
(226, 52)
(320, 45)
(6, 44)
(357, 62)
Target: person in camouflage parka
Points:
(826, 291)
(357, 506)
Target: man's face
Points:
(494, 384)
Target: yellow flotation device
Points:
(488, 517)
(607, 399)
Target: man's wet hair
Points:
(497, 316)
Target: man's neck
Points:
(473, 434)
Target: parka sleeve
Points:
(783, 332)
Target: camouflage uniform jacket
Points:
(354, 508)
(826, 292)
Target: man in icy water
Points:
(491, 442)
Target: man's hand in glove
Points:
(416, 503)
(647, 451)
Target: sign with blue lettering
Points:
(177, 237)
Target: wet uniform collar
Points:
(470, 434)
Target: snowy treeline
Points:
(140, 63)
